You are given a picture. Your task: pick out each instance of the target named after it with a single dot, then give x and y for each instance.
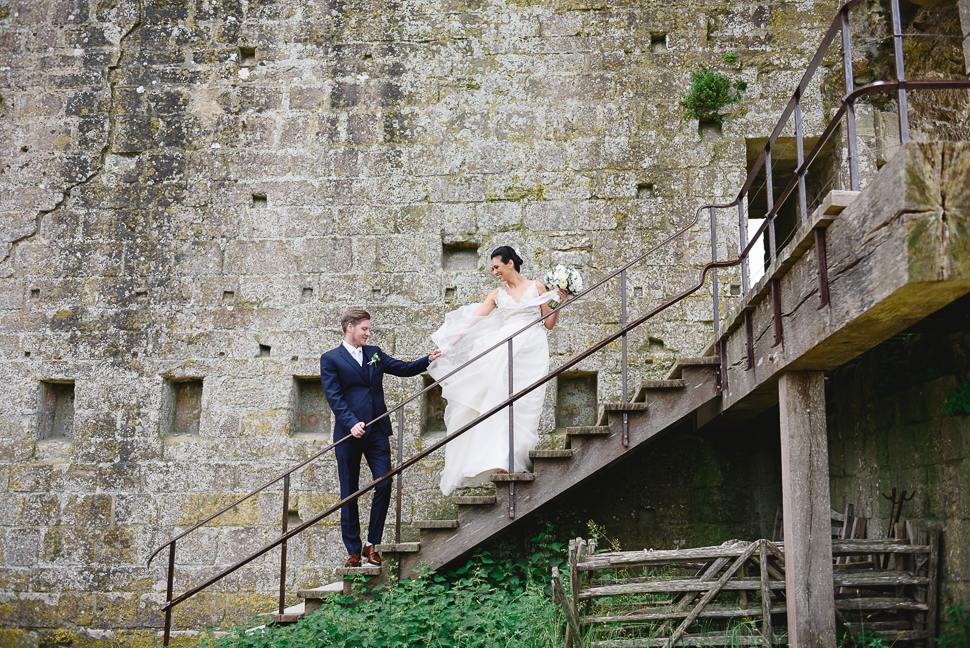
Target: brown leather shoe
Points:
(353, 561)
(372, 556)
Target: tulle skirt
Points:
(484, 449)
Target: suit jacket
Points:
(356, 393)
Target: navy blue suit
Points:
(356, 394)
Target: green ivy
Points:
(709, 92)
(957, 403)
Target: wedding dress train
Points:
(484, 449)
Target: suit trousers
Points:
(376, 448)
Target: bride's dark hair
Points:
(507, 254)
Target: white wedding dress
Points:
(484, 449)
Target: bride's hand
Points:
(562, 295)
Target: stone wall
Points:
(887, 429)
(193, 191)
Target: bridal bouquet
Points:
(565, 277)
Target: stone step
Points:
(657, 385)
(326, 591)
(513, 477)
(314, 598)
(585, 430)
(400, 547)
(363, 570)
(678, 369)
(434, 524)
(550, 454)
(664, 384)
(625, 407)
(290, 615)
(473, 500)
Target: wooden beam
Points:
(899, 252)
(805, 497)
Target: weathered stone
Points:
(187, 181)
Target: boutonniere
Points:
(375, 358)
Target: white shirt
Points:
(356, 353)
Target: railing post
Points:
(169, 594)
(849, 105)
(285, 523)
(717, 309)
(900, 72)
(743, 233)
(800, 150)
(400, 475)
(511, 440)
(770, 197)
(623, 358)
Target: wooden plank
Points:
(711, 593)
(718, 639)
(573, 632)
(473, 500)
(766, 626)
(565, 453)
(719, 613)
(876, 579)
(627, 559)
(625, 407)
(889, 265)
(434, 524)
(679, 585)
(512, 477)
(932, 570)
(879, 603)
(805, 498)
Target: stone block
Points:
(87, 510)
(413, 254)
(260, 257)
(499, 216)
(22, 547)
(325, 255)
(548, 216)
(456, 189)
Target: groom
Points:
(353, 381)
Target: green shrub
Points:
(957, 403)
(496, 600)
(956, 628)
(709, 92)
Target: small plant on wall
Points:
(957, 403)
(709, 92)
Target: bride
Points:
(467, 332)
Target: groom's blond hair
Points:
(353, 316)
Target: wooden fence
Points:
(734, 594)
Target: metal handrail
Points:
(431, 386)
(846, 109)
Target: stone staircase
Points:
(658, 406)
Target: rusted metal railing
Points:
(846, 110)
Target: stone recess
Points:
(194, 190)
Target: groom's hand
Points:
(434, 355)
(358, 430)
